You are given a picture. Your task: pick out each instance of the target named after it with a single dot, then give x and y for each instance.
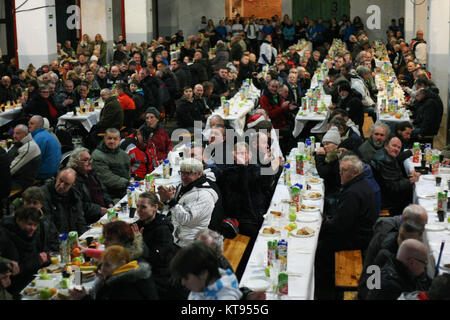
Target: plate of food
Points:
(314, 180)
(258, 283)
(304, 232)
(30, 292)
(435, 227)
(308, 208)
(276, 213)
(313, 195)
(270, 231)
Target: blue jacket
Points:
(368, 176)
(50, 152)
(289, 32)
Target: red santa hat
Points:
(254, 120)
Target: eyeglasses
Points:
(422, 261)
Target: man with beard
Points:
(379, 133)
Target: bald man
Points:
(25, 157)
(49, 146)
(6, 91)
(113, 77)
(405, 273)
(396, 187)
(412, 212)
(63, 204)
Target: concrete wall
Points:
(139, 20)
(186, 15)
(36, 33)
(390, 9)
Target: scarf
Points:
(132, 265)
(184, 189)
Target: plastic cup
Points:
(54, 258)
(132, 212)
(441, 216)
(438, 181)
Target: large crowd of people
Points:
(178, 255)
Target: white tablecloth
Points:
(301, 251)
(424, 187)
(87, 120)
(9, 115)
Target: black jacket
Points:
(367, 150)
(7, 94)
(353, 105)
(396, 189)
(39, 106)
(220, 85)
(152, 92)
(199, 73)
(429, 115)
(183, 75)
(65, 212)
(5, 175)
(355, 214)
(158, 237)
(22, 249)
(187, 113)
(171, 82)
(396, 279)
(131, 285)
(350, 140)
(329, 171)
(92, 211)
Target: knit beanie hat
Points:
(332, 136)
(154, 111)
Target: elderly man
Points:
(93, 193)
(379, 133)
(191, 204)
(412, 212)
(396, 187)
(201, 103)
(6, 91)
(404, 273)
(25, 158)
(350, 227)
(49, 146)
(112, 164)
(45, 106)
(63, 204)
(113, 77)
(112, 114)
(66, 100)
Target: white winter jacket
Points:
(358, 85)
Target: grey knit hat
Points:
(332, 136)
(154, 111)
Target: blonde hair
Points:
(191, 165)
(116, 254)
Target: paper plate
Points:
(320, 180)
(306, 218)
(308, 196)
(270, 234)
(429, 177)
(295, 235)
(427, 196)
(316, 208)
(435, 227)
(260, 283)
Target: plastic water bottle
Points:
(64, 248)
(428, 153)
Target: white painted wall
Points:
(97, 17)
(438, 50)
(286, 7)
(36, 33)
(138, 20)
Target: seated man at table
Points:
(379, 133)
(49, 146)
(383, 247)
(428, 115)
(191, 204)
(128, 106)
(350, 227)
(20, 237)
(396, 187)
(414, 212)
(403, 131)
(201, 104)
(187, 113)
(439, 290)
(92, 191)
(344, 114)
(220, 82)
(278, 111)
(63, 204)
(350, 140)
(44, 105)
(25, 157)
(112, 114)
(112, 164)
(332, 83)
(404, 273)
(350, 101)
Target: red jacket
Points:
(276, 113)
(126, 102)
(141, 162)
(162, 142)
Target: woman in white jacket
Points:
(191, 204)
(267, 53)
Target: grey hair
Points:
(75, 157)
(22, 127)
(413, 212)
(112, 130)
(40, 119)
(381, 124)
(217, 239)
(355, 163)
(191, 165)
(362, 70)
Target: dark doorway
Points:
(7, 33)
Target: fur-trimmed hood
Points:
(136, 248)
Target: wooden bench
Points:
(348, 269)
(385, 213)
(367, 125)
(233, 249)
